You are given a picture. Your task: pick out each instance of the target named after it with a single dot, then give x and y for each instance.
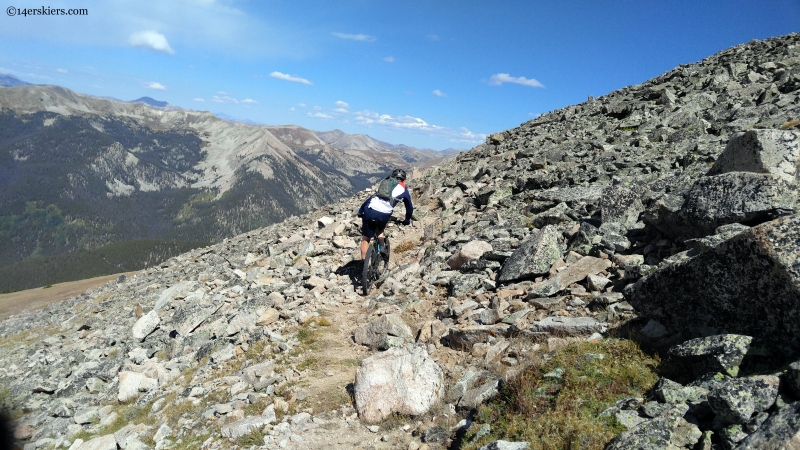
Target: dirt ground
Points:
(32, 299)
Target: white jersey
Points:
(383, 206)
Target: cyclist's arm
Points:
(363, 208)
(406, 197)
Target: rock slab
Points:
(403, 380)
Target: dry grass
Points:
(561, 413)
(790, 124)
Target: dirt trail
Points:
(32, 299)
(333, 364)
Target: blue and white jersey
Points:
(400, 192)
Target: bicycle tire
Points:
(383, 263)
(367, 273)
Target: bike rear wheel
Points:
(368, 272)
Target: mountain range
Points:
(79, 172)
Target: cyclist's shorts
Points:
(373, 223)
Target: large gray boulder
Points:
(403, 380)
(749, 285)
(534, 257)
(735, 197)
(736, 400)
(761, 151)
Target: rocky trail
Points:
(666, 209)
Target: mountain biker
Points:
(376, 212)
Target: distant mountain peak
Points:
(151, 101)
(7, 80)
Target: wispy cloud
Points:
(500, 78)
(341, 110)
(223, 98)
(432, 37)
(292, 78)
(62, 70)
(249, 101)
(356, 37)
(415, 124)
(439, 93)
(389, 59)
(198, 99)
(151, 40)
(157, 86)
(341, 104)
(320, 115)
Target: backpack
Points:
(386, 188)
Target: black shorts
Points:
(373, 223)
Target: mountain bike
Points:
(376, 261)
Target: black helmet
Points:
(400, 174)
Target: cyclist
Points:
(376, 211)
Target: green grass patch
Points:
(561, 413)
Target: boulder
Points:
(403, 380)
(655, 434)
(533, 257)
(582, 268)
(761, 151)
(379, 332)
(506, 445)
(619, 204)
(735, 197)
(106, 442)
(736, 400)
(569, 326)
(780, 430)
(246, 426)
(469, 252)
(748, 285)
(720, 353)
(145, 325)
(131, 384)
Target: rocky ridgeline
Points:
(670, 206)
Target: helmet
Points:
(400, 174)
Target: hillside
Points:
(622, 273)
(79, 172)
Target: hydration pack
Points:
(386, 188)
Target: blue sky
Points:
(432, 74)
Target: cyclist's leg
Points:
(367, 233)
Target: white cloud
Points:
(415, 124)
(249, 101)
(320, 115)
(292, 109)
(389, 59)
(292, 78)
(341, 104)
(222, 93)
(341, 110)
(151, 40)
(61, 70)
(439, 93)
(317, 108)
(302, 105)
(500, 78)
(198, 99)
(157, 86)
(356, 37)
(224, 99)
(432, 37)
